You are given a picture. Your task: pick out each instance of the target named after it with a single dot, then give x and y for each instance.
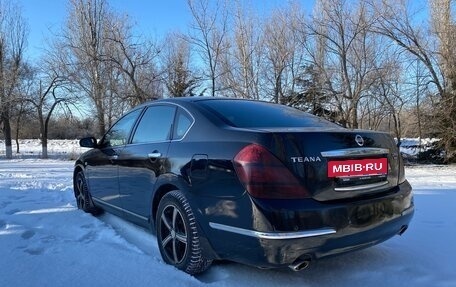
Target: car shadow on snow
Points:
(326, 270)
(354, 267)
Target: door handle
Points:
(154, 155)
(113, 157)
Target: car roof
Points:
(195, 99)
(178, 100)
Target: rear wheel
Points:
(82, 194)
(177, 234)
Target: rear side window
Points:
(155, 125)
(255, 114)
(183, 123)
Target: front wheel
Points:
(82, 194)
(177, 234)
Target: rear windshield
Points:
(255, 114)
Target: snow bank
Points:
(57, 149)
(412, 146)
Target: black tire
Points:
(82, 194)
(177, 234)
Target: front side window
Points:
(118, 134)
(155, 125)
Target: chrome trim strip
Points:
(118, 208)
(408, 210)
(153, 104)
(273, 235)
(361, 187)
(362, 151)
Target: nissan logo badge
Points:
(359, 140)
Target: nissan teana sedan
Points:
(247, 181)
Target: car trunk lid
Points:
(338, 164)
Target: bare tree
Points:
(106, 61)
(419, 91)
(209, 26)
(242, 63)
(284, 56)
(83, 50)
(396, 22)
(22, 109)
(13, 33)
(433, 49)
(46, 90)
(136, 58)
(179, 78)
(388, 98)
(343, 30)
(444, 26)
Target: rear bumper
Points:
(308, 229)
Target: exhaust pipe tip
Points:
(299, 265)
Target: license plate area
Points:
(358, 168)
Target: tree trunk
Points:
(17, 140)
(18, 125)
(7, 134)
(101, 124)
(213, 85)
(418, 115)
(17, 145)
(354, 116)
(44, 147)
(43, 133)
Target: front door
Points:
(102, 170)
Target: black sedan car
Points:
(247, 181)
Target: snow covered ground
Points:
(57, 149)
(46, 241)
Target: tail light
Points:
(264, 175)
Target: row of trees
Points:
(374, 64)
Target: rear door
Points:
(144, 159)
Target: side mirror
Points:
(89, 142)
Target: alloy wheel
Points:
(173, 233)
(81, 192)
